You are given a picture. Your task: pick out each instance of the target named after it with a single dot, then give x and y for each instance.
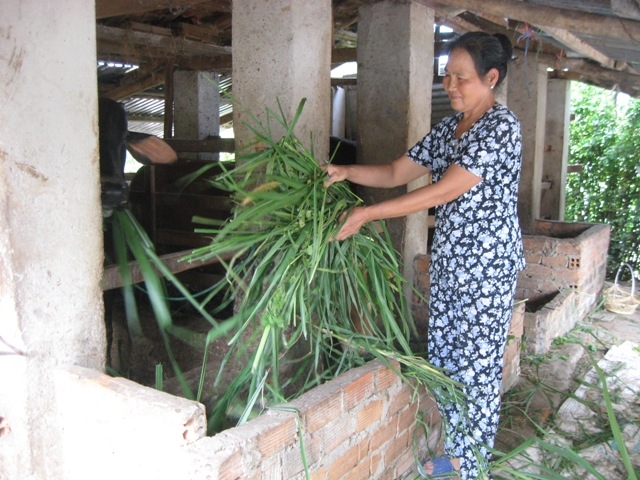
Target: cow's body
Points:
(115, 140)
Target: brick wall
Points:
(563, 255)
(554, 318)
(360, 425)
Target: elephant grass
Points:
(291, 284)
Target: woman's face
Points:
(467, 90)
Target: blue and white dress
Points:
(475, 259)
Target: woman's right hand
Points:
(335, 173)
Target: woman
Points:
(474, 157)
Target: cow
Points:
(115, 140)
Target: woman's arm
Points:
(399, 172)
(455, 181)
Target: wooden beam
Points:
(209, 34)
(342, 55)
(579, 46)
(144, 83)
(211, 144)
(167, 44)
(111, 277)
(591, 73)
(114, 8)
(544, 16)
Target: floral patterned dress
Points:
(475, 258)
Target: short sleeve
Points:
(431, 151)
(484, 150)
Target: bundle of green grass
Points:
(291, 284)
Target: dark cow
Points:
(115, 140)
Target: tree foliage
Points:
(604, 140)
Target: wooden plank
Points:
(182, 238)
(114, 8)
(111, 277)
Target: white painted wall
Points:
(50, 221)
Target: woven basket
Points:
(617, 300)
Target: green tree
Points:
(603, 139)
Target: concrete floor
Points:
(547, 382)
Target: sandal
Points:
(441, 466)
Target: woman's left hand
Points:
(353, 221)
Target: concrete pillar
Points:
(527, 98)
(196, 107)
(50, 222)
(395, 77)
(282, 52)
(556, 151)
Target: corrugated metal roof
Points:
(145, 110)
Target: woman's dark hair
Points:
(487, 51)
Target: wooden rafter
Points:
(572, 20)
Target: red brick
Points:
(396, 447)
(539, 271)
(282, 433)
(535, 243)
(319, 474)
(382, 435)
(386, 377)
(230, 467)
(332, 435)
(319, 406)
(533, 258)
(362, 471)
(568, 248)
(421, 263)
(407, 419)
(369, 415)
(556, 261)
(357, 391)
(400, 400)
(568, 277)
(343, 464)
(364, 447)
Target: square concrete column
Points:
(196, 107)
(527, 98)
(50, 222)
(395, 79)
(282, 52)
(556, 151)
